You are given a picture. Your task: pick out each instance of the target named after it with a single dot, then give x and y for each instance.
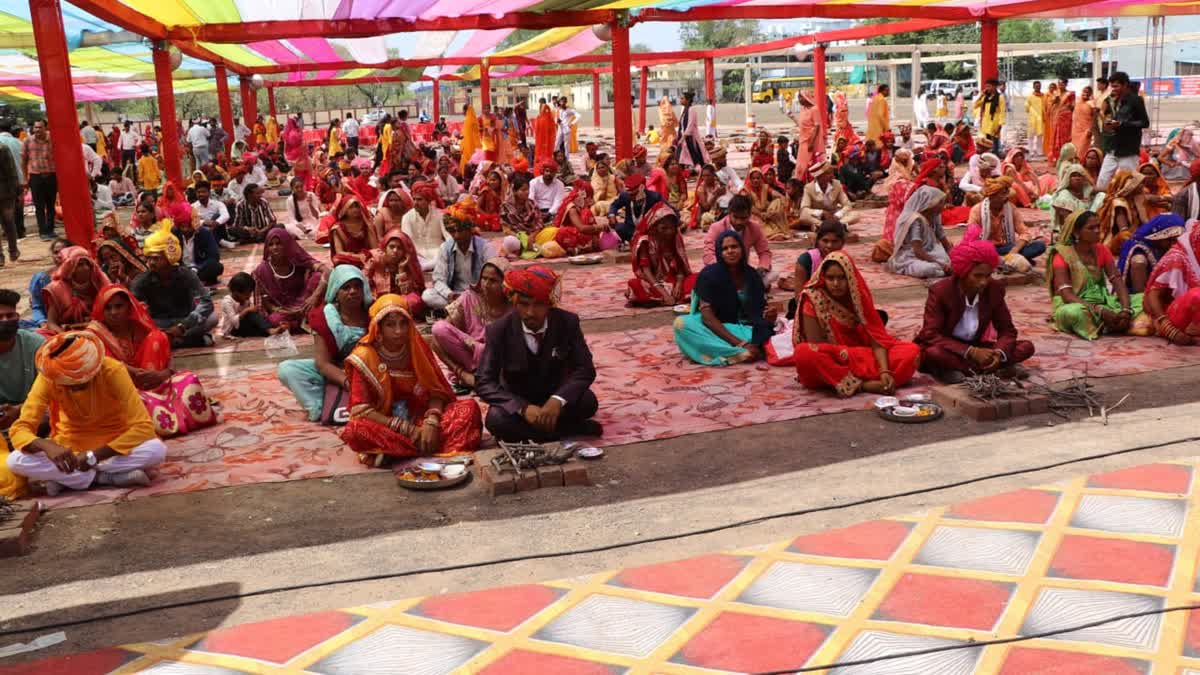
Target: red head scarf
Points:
(863, 305)
(536, 281)
(968, 254)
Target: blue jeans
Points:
(1030, 251)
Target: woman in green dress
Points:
(1088, 293)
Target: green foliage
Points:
(717, 34)
(1010, 31)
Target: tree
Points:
(1010, 31)
(719, 34)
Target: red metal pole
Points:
(166, 113)
(485, 85)
(225, 105)
(710, 82)
(819, 91)
(437, 100)
(989, 38)
(271, 100)
(644, 75)
(596, 99)
(622, 105)
(63, 126)
(249, 106)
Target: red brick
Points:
(526, 481)
(550, 476)
(499, 483)
(1038, 405)
(1003, 408)
(1020, 406)
(16, 539)
(575, 473)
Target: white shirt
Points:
(89, 135)
(103, 201)
(122, 186)
(968, 325)
(214, 211)
(198, 136)
(129, 140)
(531, 341)
(189, 251)
(310, 210)
(462, 271)
(350, 128)
(91, 161)
(228, 311)
(240, 132)
(427, 232)
(448, 190)
(547, 197)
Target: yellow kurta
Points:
(989, 123)
(879, 118)
(335, 143)
(1033, 114)
(101, 145)
(272, 130)
(107, 412)
(385, 139)
(470, 138)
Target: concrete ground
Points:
(235, 541)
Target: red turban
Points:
(634, 181)
(639, 151)
(536, 281)
(180, 212)
(520, 165)
(425, 189)
(971, 253)
(549, 166)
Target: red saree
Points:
(667, 264)
(375, 386)
(848, 359)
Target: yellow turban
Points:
(995, 185)
(164, 242)
(70, 358)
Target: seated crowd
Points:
(428, 305)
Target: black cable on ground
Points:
(594, 549)
(982, 643)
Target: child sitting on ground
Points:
(240, 317)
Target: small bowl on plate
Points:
(905, 411)
(886, 402)
(452, 471)
(918, 398)
(431, 467)
(589, 453)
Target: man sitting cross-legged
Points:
(100, 432)
(536, 370)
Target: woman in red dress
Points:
(846, 346)
(351, 238)
(662, 275)
(578, 230)
(401, 405)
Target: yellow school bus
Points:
(767, 89)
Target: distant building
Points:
(1179, 58)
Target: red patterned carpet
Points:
(1088, 565)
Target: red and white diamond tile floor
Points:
(930, 587)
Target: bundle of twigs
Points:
(989, 387)
(526, 456)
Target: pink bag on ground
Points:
(179, 406)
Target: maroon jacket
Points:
(944, 308)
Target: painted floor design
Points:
(1032, 561)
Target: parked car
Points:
(373, 116)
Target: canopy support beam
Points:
(249, 108)
(596, 99)
(819, 93)
(271, 101)
(622, 106)
(226, 107)
(989, 39)
(63, 127)
(643, 87)
(437, 100)
(166, 113)
(485, 85)
(710, 82)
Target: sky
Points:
(664, 37)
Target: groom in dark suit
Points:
(536, 370)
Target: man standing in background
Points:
(350, 128)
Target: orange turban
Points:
(71, 358)
(536, 281)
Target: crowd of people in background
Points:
(433, 238)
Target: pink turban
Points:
(971, 253)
